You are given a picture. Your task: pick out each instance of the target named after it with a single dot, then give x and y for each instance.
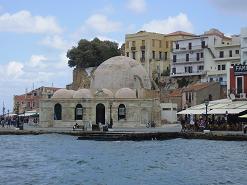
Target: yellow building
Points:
(152, 50)
(148, 49)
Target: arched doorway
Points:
(100, 113)
(58, 112)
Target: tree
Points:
(91, 53)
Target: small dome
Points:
(104, 93)
(83, 93)
(63, 93)
(125, 93)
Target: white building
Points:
(207, 56)
(188, 57)
(220, 53)
(243, 37)
(169, 112)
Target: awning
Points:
(226, 110)
(10, 115)
(243, 116)
(29, 114)
(221, 107)
(191, 111)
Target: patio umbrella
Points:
(243, 116)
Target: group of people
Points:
(193, 125)
(200, 123)
(8, 121)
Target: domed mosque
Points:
(120, 95)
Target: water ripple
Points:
(58, 159)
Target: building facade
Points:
(152, 50)
(120, 94)
(30, 100)
(148, 49)
(188, 57)
(243, 37)
(197, 93)
(207, 56)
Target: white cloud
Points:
(101, 23)
(13, 70)
(231, 6)
(37, 61)
(24, 22)
(55, 41)
(171, 24)
(137, 6)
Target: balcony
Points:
(228, 58)
(216, 72)
(187, 49)
(191, 60)
(142, 47)
(133, 48)
(193, 73)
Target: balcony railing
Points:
(227, 57)
(183, 60)
(192, 73)
(187, 49)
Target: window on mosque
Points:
(121, 112)
(78, 112)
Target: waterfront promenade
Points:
(169, 131)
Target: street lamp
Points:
(226, 117)
(17, 112)
(206, 102)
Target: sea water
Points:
(63, 160)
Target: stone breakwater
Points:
(134, 136)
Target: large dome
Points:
(120, 72)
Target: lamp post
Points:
(206, 102)
(17, 112)
(226, 117)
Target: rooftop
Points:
(180, 33)
(198, 86)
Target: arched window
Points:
(57, 112)
(121, 112)
(78, 112)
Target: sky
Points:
(36, 35)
